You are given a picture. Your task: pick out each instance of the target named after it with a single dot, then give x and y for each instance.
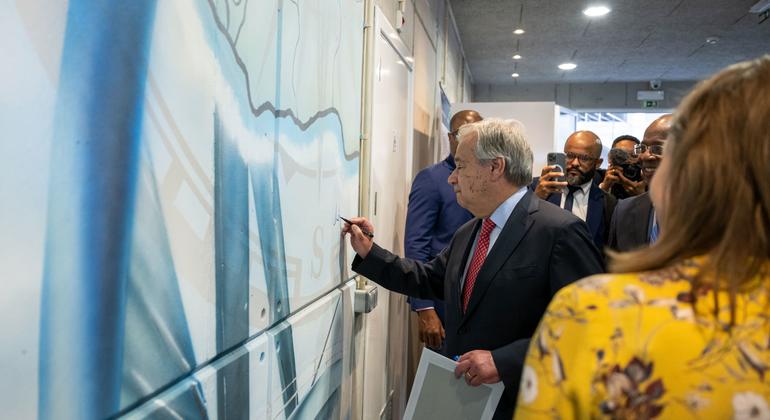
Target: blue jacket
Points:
(432, 218)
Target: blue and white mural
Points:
(172, 172)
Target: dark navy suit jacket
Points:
(600, 208)
(432, 218)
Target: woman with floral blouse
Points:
(686, 332)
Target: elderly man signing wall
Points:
(501, 269)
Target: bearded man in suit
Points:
(501, 269)
(579, 193)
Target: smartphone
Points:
(559, 160)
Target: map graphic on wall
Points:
(172, 176)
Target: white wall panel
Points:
(539, 119)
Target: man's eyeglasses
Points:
(655, 149)
(580, 158)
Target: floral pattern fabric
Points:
(642, 346)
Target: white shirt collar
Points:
(503, 211)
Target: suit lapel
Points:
(513, 232)
(641, 212)
(595, 210)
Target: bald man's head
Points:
(658, 129)
(458, 120)
(583, 149)
(652, 143)
(588, 139)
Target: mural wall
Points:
(172, 172)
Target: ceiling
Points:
(639, 40)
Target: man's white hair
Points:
(503, 139)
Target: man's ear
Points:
(498, 167)
(599, 163)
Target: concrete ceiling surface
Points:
(639, 40)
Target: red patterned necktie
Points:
(479, 255)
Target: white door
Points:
(391, 145)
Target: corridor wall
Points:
(172, 172)
(171, 175)
(541, 124)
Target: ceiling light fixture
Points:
(514, 75)
(595, 11)
(518, 31)
(567, 66)
(712, 40)
(516, 57)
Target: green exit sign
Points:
(764, 15)
(649, 104)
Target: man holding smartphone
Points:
(578, 192)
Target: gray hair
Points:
(503, 139)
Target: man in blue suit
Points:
(580, 194)
(433, 216)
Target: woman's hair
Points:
(717, 191)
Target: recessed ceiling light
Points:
(595, 11)
(518, 31)
(567, 66)
(516, 57)
(712, 40)
(515, 75)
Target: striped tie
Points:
(479, 255)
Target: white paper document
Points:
(437, 394)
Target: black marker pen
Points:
(364, 231)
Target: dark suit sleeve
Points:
(612, 241)
(421, 217)
(420, 304)
(574, 256)
(403, 275)
(609, 209)
(509, 361)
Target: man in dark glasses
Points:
(579, 193)
(634, 223)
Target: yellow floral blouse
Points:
(640, 346)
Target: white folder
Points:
(437, 394)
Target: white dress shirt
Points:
(500, 217)
(580, 200)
